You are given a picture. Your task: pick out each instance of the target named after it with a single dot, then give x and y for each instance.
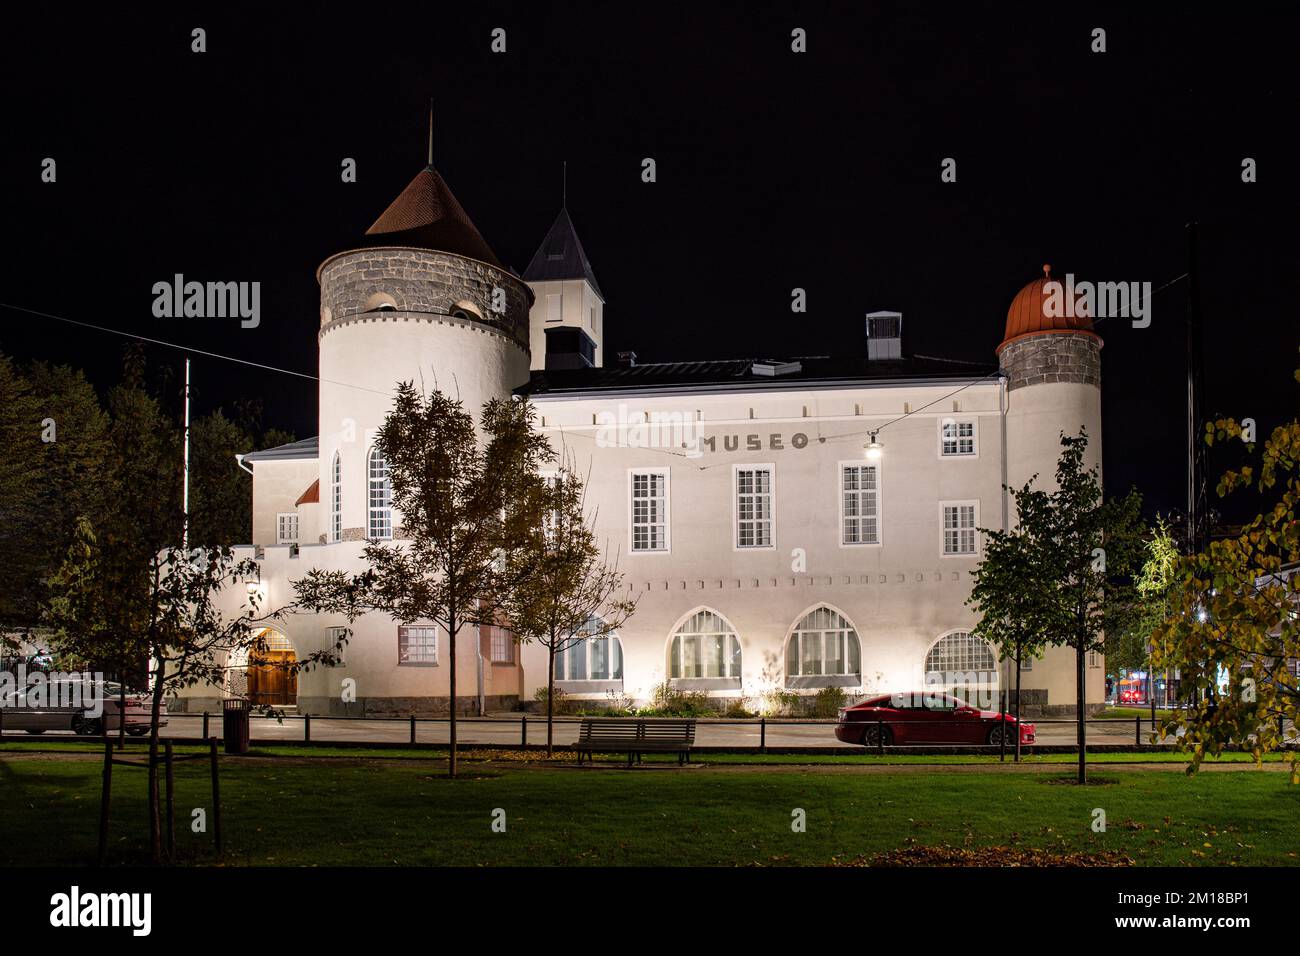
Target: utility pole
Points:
(1197, 508)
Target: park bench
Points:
(635, 736)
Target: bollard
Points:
(306, 728)
(205, 733)
(413, 728)
(1138, 730)
(523, 731)
(762, 735)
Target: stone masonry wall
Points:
(421, 282)
(1053, 357)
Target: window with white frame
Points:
(1026, 663)
(704, 646)
(1094, 659)
(860, 503)
(553, 302)
(501, 645)
(591, 657)
(650, 511)
(380, 496)
(336, 499)
(961, 653)
(417, 645)
(959, 528)
(823, 644)
(286, 528)
(957, 438)
(754, 507)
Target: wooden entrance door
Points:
(270, 682)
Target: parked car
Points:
(927, 717)
(55, 709)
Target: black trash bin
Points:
(234, 725)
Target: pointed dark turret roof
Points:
(427, 216)
(561, 256)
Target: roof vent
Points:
(773, 367)
(627, 359)
(884, 335)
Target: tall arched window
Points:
(705, 647)
(379, 496)
(336, 499)
(591, 658)
(823, 651)
(961, 660)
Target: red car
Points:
(927, 717)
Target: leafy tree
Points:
(1233, 627)
(465, 502)
(55, 468)
(1077, 558)
(566, 591)
(21, 468)
(1130, 647)
(1014, 616)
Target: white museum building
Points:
(785, 525)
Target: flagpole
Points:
(185, 486)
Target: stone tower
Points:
(421, 298)
(1053, 369)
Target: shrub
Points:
(562, 704)
(828, 701)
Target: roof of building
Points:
(1028, 313)
(306, 448)
(737, 374)
(311, 496)
(561, 256)
(428, 216)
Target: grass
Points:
(1128, 713)
(312, 812)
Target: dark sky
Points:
(775, 170)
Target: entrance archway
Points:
(272, 679)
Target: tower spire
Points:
(430, 132)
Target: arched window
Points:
(704, 646)
(336, 499)
(591, 658)
(823, 651)
(380, 302)
(379, 497)
(466, 311)
(960, 660)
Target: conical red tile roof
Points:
(427, 216)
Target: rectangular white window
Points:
(286, 528)
(380, 491)
(501, 646)
(1094, 659)
(1026, 664)
(957, 438)
(553, 307)
(417, 645)
(754, 507)
(650, 511)
(959, 532)
(860, 503)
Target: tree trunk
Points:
(1017, 758)
(121, 712)
(1081, 716)
(451, 756)
(550, 699)
(155, 811)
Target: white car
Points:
(52, 710)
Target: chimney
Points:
(884, 335)
(626, 359)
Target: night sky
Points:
(776, 170)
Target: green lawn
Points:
(341, 812)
